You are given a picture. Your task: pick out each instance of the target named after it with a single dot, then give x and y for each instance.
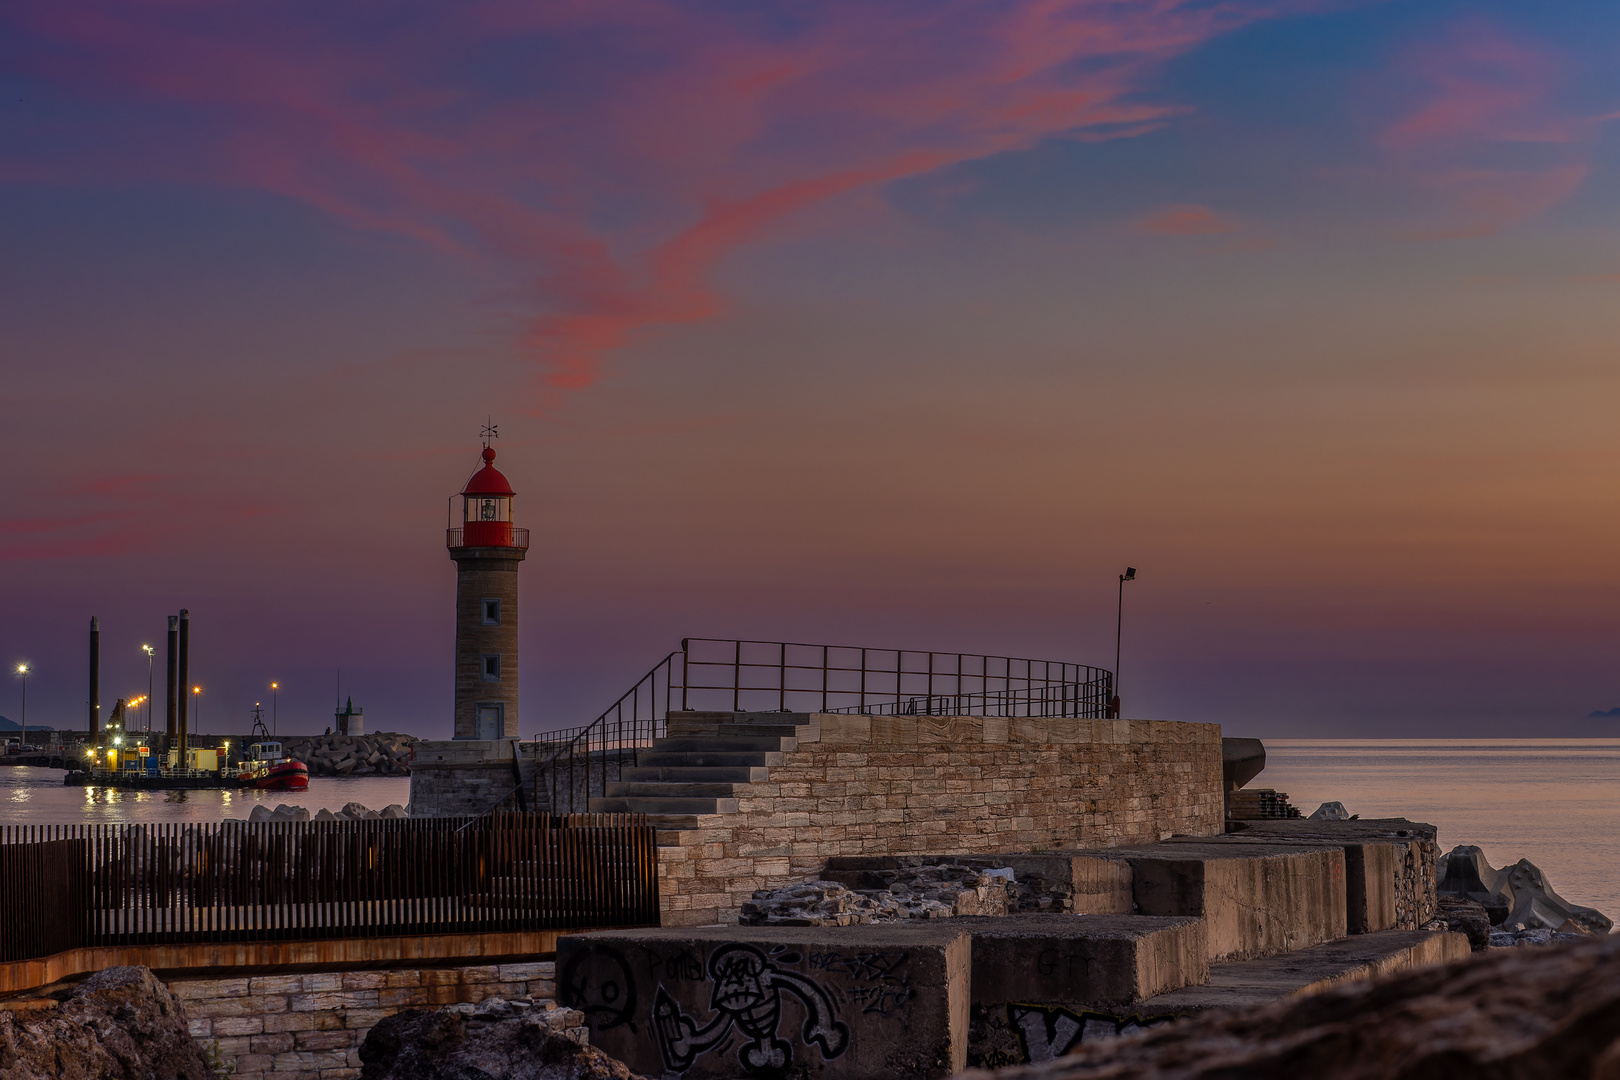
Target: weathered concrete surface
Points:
(1102, 886)
(1310, 971)
(1416, 852)
(119, 1024)
(1526, 1014)
(1467, 918)
(1084, 959)
(1369, 874)
(1037, 977)
(492, 1039)
(1258, 899)
(888, 1000)
(1369, 886)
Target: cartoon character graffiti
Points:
(748, 987)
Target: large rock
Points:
(1528, 1014)
(119, 1024)
(492, 1040)
(1515, 897)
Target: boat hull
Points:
(282, 776)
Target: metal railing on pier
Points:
(69, 886)
(733, 675)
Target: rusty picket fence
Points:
(67, 886)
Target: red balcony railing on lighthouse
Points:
(487, 534)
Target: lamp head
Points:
(1129, 574)
(147, 649)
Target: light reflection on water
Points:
(30, 796)
(1555, 802)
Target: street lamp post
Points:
(148, 650)
(275, 727)
(1119, 625)
(196, 706)
(22, 739)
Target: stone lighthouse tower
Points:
(487, 549)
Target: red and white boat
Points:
(268, 768)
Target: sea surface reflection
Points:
(1555, 802)
(30, 796)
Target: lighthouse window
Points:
(492, 667)
(486, 510)
(492, 612)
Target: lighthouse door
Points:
(491, 719)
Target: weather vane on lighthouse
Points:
(489, 431)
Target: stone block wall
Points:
(896, 785)
(310, 1026)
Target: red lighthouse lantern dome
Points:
(486, 510)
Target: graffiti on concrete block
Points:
(747, 999)
(880, 985)
(597, 982)
(1046, 1032)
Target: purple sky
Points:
(905, 324)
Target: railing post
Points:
(863, 680)
(824, 667)
(781, 680)
(736, 680)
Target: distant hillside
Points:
(1612, 714)
(12, 725)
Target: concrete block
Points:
(1369, 876)
(1244, 983)
(1085, 959)
(1258, 900)
(1102, 885)
(811, 1002)
(1037, 978)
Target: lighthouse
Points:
(487, 549)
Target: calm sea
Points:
(30, 796)
(1555, 802)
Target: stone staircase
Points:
(699, 767)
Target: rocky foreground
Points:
(492, 1040)
(119, 1024)
(1525, 1013)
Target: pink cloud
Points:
(1187, 220)
(1487, 136)
(694, 133)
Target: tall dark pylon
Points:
(172, 715)
(95, 677)
(185, 680)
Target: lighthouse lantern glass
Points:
(488, 508)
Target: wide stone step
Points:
(670, 789)
(679, 774)
(700, 759)
(662, 806)
(1308, 971)
(705, 744)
